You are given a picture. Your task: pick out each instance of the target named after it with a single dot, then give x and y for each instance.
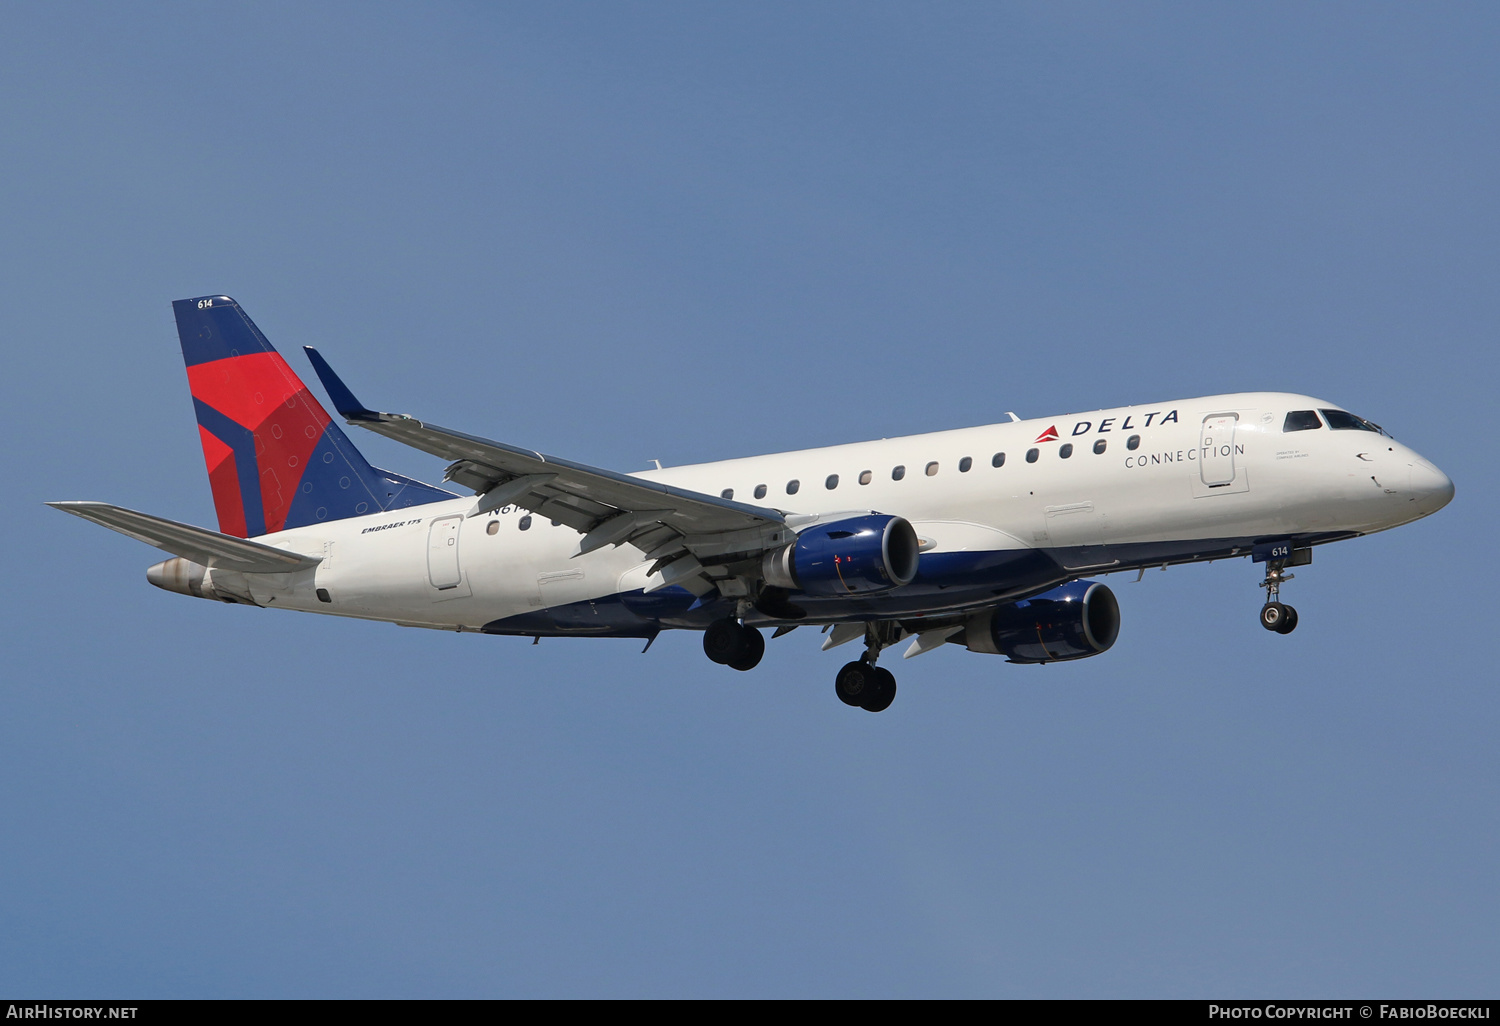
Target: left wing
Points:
(694, 538)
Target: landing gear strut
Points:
(1276, 615)
(862, 683)
(733, 644)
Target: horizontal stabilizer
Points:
(208, 548)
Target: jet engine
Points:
(856, 555)
(1075, 621)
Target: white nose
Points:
(1431, 489)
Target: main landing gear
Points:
(1276, 615)
(731, 643)
(862, 683)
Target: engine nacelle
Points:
(857, 555)
(1075, 621)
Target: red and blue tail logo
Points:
(275, 458)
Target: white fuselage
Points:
(1208, 477)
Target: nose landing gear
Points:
(1276, 615)
(862, 683)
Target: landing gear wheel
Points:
(755, 647)
(1274, 617)
(856, 683)
(880, 700)
(724, 641)
(1289, 621)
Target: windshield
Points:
(1340, 420)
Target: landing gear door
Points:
(1221, 466)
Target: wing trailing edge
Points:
(608, 508)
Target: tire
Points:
(880, 700)
(754, 647)
(855, 682)
(1273, 615)
(1289, 622)
(724, 641)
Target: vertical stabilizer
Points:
(275, 458)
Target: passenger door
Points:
(1216, 450)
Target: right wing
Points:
(208, 548)
(684, 531)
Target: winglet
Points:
(343, 399)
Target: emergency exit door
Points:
(442, 552)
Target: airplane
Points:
(986, 538)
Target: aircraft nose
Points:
(1431, 488)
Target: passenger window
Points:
(1066, 450)
(1301, 420)
(727, 493)
(865, 477)
(760, 491)
(1133, 442)
(898, 473)
(1100, 446)
(832, 482)
(932, 469)
(525, 523)
(964, 464)
(1032, 454)
(997, 460)
(792, 486)
(493, 527)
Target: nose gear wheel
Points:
(1276, 615)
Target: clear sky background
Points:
(620, 232)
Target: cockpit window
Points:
(1339, 420)
(1301, 420)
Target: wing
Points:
(682, 530)
(202, 546)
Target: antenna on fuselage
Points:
(1014, 419)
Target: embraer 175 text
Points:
(980, 537)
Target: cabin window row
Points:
(966, 464)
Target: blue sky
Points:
(677, 231)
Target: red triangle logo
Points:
(1050, 435)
